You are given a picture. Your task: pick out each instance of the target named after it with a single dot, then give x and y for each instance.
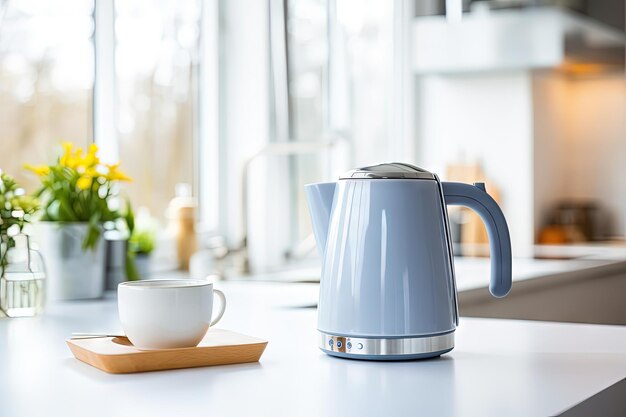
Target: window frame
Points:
(206, 116)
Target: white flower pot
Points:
(72, 272)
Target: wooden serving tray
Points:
(117, 355)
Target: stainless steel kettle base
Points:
(386, 349)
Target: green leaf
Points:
(66, 212)
(131, 268)
(129, 217)
(93, 232)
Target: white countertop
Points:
(498, 368)
(471, 273)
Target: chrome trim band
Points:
(383, 347)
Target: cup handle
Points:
(222, 309)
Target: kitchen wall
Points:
(598, 164)
(580, 146)
(540, 136)
(484, 119)
(552, 126)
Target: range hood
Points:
(526, 38)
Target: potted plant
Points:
(141, 244)
(16, 210)
(78, 195)
(19, 296)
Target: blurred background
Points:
(235, 105)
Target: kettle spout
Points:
(320, 199)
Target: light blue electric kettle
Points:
(388, 290)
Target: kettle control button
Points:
(359, 346)
(339, 344)
(349, 345)
(330, 343)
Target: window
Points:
(300, 72)
(146, 88)
(307, 53)
(335, 91)
(156, 78)
(46, 80)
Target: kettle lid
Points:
(389, 170)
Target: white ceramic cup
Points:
(167, 314)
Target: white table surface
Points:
(498, 368)
(471, 273)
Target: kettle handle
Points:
(476, 197)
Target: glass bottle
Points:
(22, 279)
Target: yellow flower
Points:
(67, 160)
(74, 158)
(78, 155)
(41, 170)
(115, 174)
(84, 182)
(91, 159)
(92, 171)
(67, 147)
